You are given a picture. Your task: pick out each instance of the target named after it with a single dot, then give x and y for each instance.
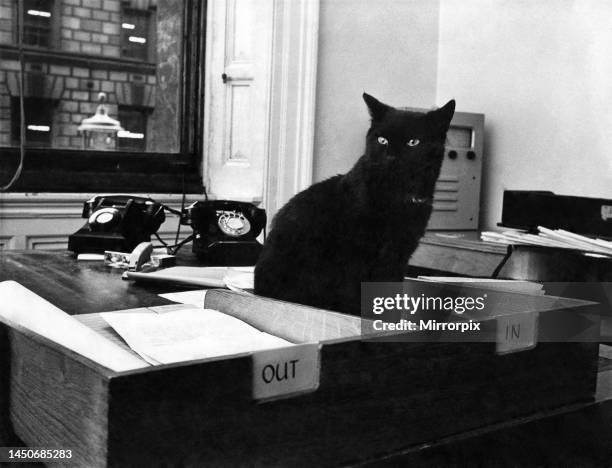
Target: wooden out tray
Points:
(356, 400)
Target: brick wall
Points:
(6, 37)
(83, 29)
(6, 21)
(6, 66)
(91, 27)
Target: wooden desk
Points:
(458, 253)
(563, 272)
(580, 435)
(462, 253)
(79, 287)
(76, 288)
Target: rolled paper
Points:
(24, 308)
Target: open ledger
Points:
(188, 333)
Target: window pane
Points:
(38, 121)
(37, 22)
(135, 33)
(135, 120)
(76, 49)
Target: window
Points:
(153, 89)
(38, 121)
(134, 133)
(37, 22)
(135, 37)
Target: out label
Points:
(285, 371)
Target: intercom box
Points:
(456, 203)
(354, 400)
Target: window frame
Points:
(74, 170)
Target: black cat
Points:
(360, 226)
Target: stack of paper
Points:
(187, 334)
(576, 241)
(559, 238)
(235, 278)
(519, 286)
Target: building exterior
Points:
(73, 50)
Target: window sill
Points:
(100, 171)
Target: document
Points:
(194, 297)
(518, 286)
(558, 238)
(212, 277)
(21, 307)
(240, 279)
(188, 334)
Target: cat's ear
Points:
(442, 117)
(376, 108)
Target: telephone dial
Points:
(116, 222)
(225, 231)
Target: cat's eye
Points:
(383, 141)
(413, 142)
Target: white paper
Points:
(188, 334)
(212, 277)
(194, 297)
(22, 307)
(520, 286)
(199, 276)
(551, 238)
(240, 278)
(90, 257)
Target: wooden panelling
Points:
(44, 221)
(42, 242)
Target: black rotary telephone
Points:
(116, 222)
(225, 231)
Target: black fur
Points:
(360, 226)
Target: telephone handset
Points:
(225, 231)
(106, 211)
(116, 222)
